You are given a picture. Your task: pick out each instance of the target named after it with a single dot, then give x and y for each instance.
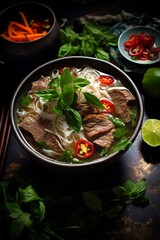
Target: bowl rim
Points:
(129, 31)
(57, 164)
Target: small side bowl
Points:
(31, 53)
(137, 30)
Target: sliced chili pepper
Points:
(106, 79)
(140, 47)
(109, 106)
(136, 51)
(153, 54)
(133, 41)
(84, 148)
(147, 39)
(144, 55)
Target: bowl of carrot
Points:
(29, 33)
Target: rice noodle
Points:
(65, 134)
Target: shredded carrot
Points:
(22, 31)
(21, 26)
(27, 37)
(4, 35)
(24, 19)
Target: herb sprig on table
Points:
(93, 40)
(28, 215)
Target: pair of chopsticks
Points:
(5, 130)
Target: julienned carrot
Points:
(27, 37)
(21, 26)
(24, 19)
(4, 35)
(22, 32)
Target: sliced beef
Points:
(40, 84)
(122, 99)
(105, 140)
(99, 129)
(37, 126)
(84, 108)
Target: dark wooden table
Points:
(140, 161)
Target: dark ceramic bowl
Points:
(35, 52)
(45, 70)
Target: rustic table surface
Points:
(139, 162)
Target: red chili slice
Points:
(109, 106)
(136, 51)
(84, 149)
(106, 79)
(153, 54)
(147, 39)
(140, 46)
(144, 56)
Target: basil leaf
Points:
(74, 120)
(47, 94)
(68, 35)
(92, 99)
(120, 132)
(28, 194)
(55, 82)
(66, 78)
(100, 53)
(135, 188)
(92, 200)
(121, 192)
(81, 82)
(68, 49)
(89, 46)
(68, 95)
(117, 121)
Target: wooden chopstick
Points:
(5, 130)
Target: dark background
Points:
(73, 8)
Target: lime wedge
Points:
(151, 132)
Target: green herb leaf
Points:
(67, 95)
(89, 46)
(92, 99)
(120, 132)
(135, 188)
(131, 189)
(81, 82)
(101, 54)
(25, 101)
(68, 50)
(47, 94)
(74, 120)
(19, 223)
(117, 121)
(114, 211)
(28, 194)
(92, 201)
(66, 78)
(124, 144)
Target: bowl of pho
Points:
(76, 114)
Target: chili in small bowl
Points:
(140, 45)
